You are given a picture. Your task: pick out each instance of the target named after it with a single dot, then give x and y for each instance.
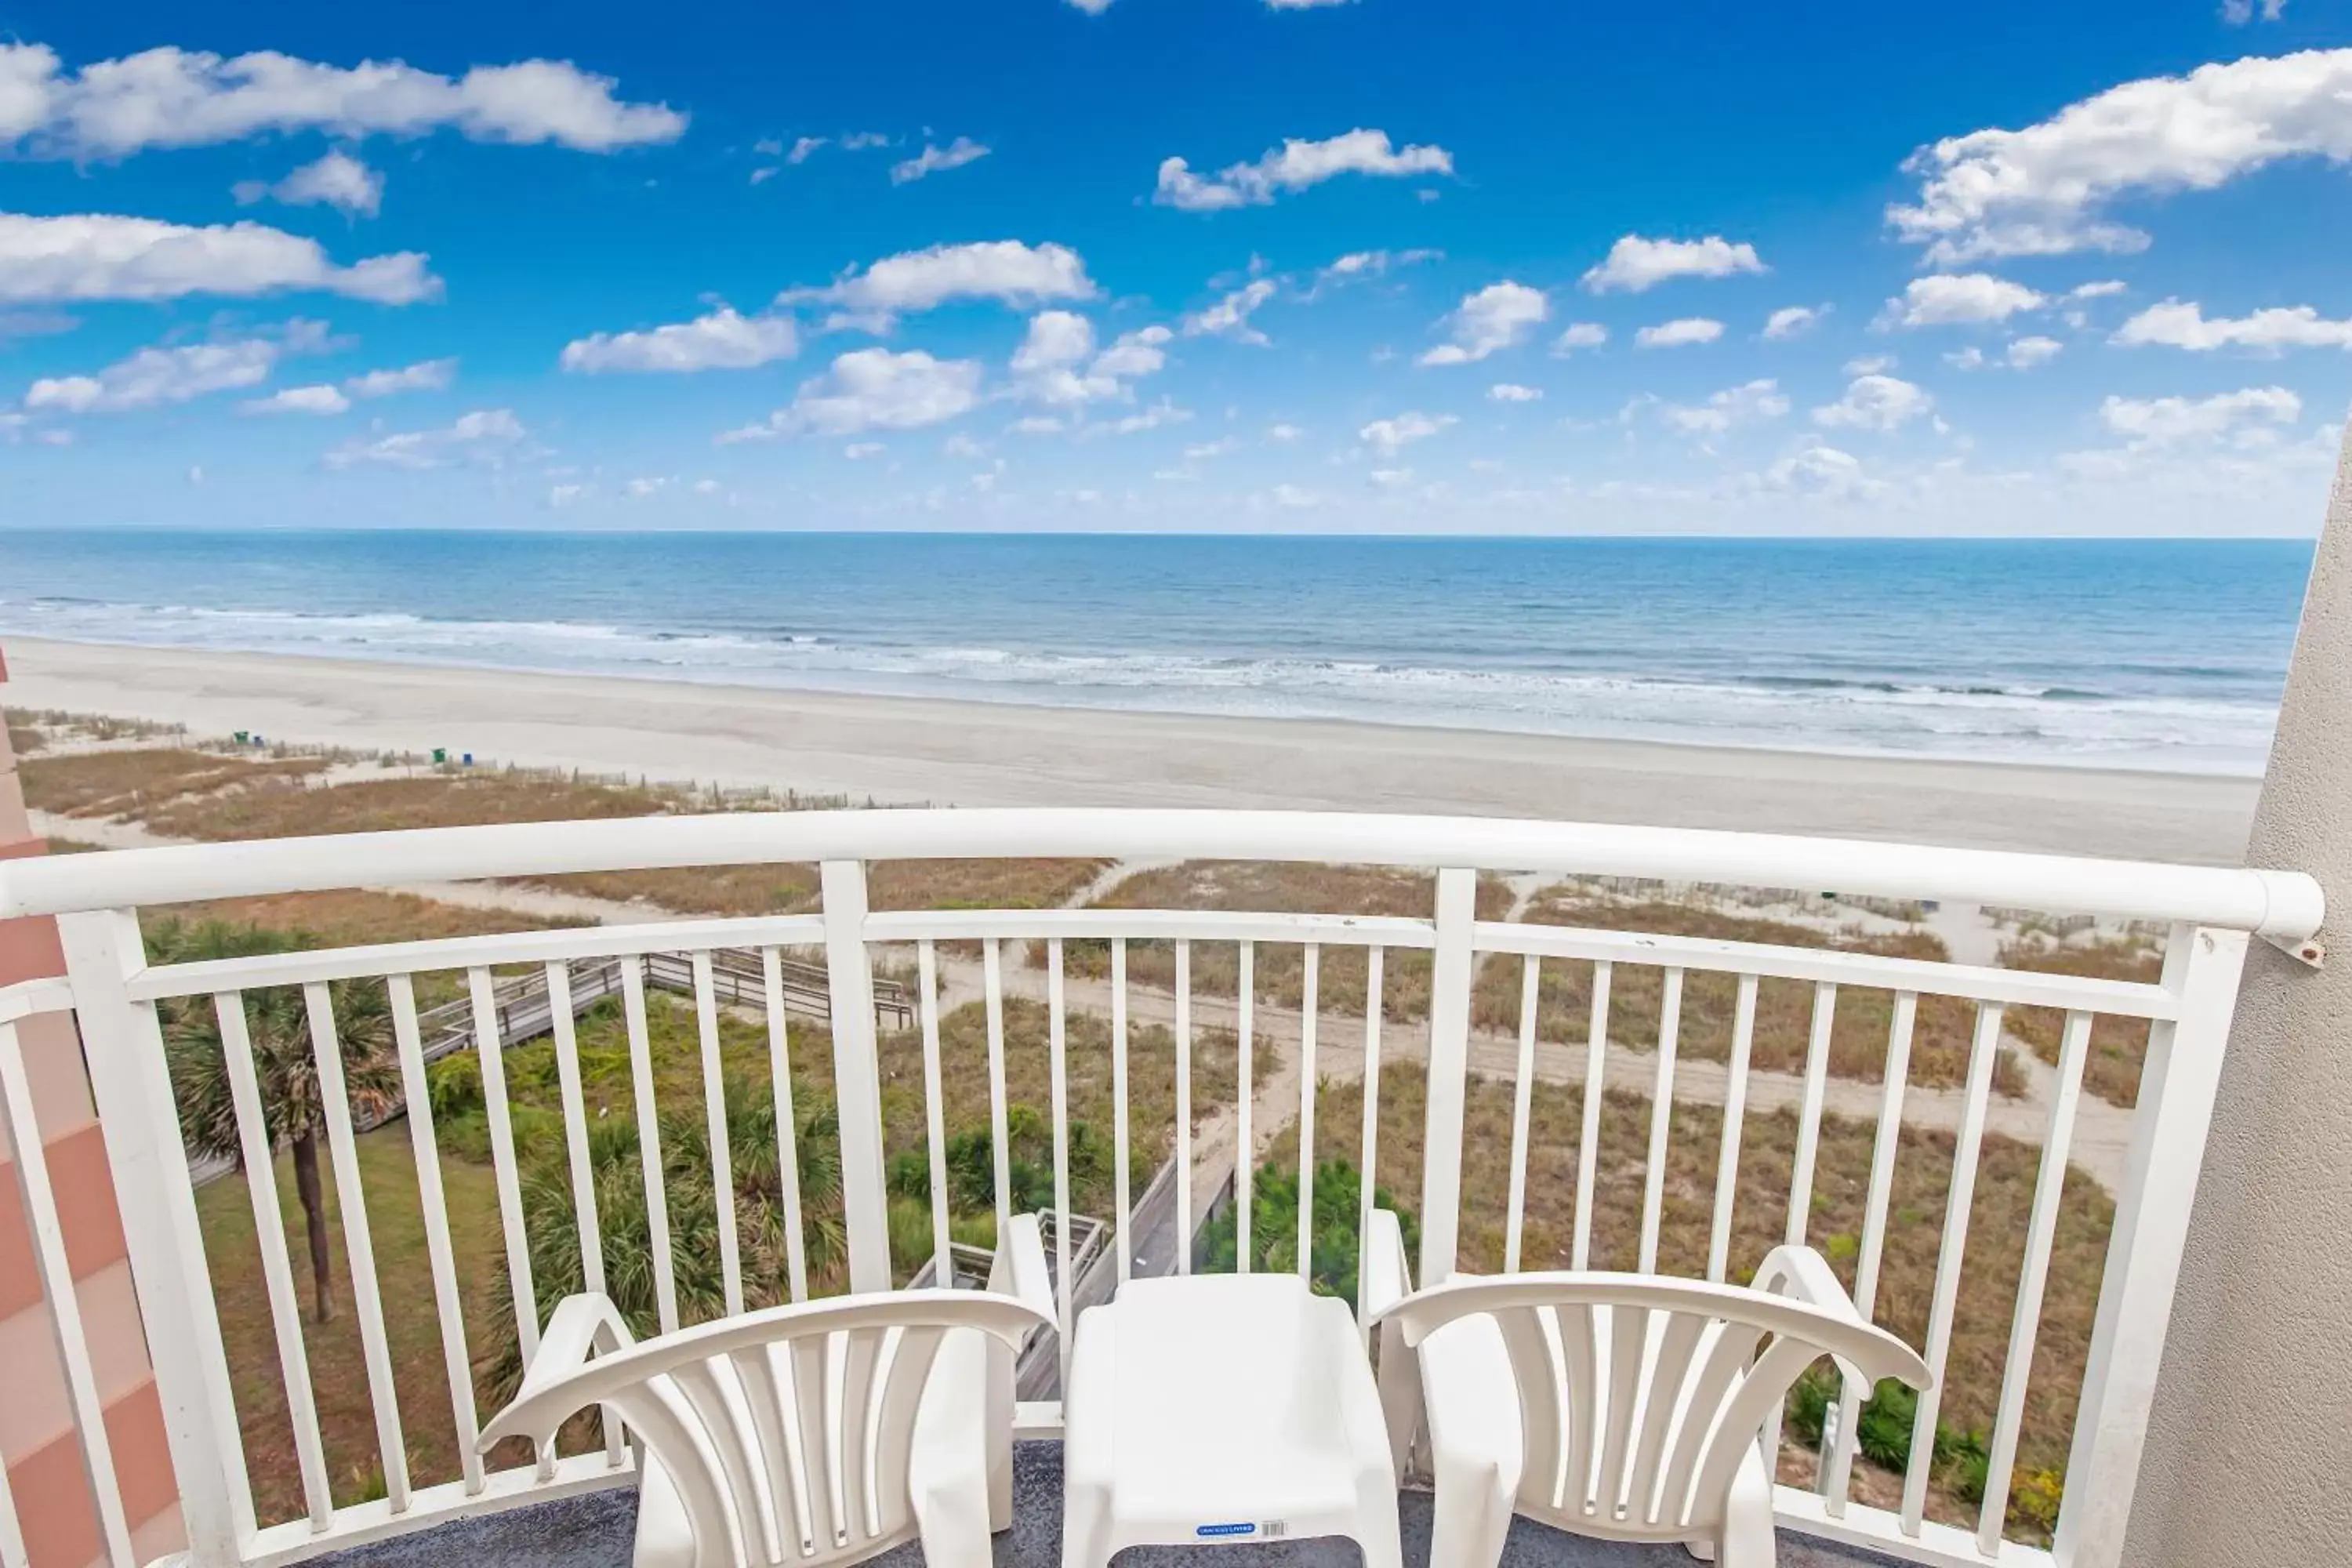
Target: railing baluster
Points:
(1365, 1178)
(649, 1155)
(1734, 1112)
(1662, 1112)
(722, 1163)
(1588, 1151)
(417, 1090)
(56, 1271)
(1522, 1098)
(927, 965)
(1120, 1156)
(999, 1138)
(856, 1073)
(787, 1132)
(575, 1128)
(1057, 1042)
(1874, 1233)
(1244, 1152)
(488, 1048)
(1451, 971)
(2041, 1233)
(1309, 986)
(277, 1271)
(1184, 1108)
(359, 1247)
(1809, 1118)
(1984, 1051)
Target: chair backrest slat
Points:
(1669, 1374)
(787, 1433)
(1641, 1397)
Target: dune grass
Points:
(2118, 1045)
(1858, 1035)
(2004, 1192)
(151, 782)
(1282, 888)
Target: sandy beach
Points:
(904, 751)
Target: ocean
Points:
(2137, 654)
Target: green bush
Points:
(1274, 1227)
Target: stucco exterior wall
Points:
(2249, 1444)
(38, 1441)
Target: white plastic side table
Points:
(1223, 1408)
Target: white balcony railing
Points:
(114, 994)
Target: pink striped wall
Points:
(37, 1433)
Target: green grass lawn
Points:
(338, 1365)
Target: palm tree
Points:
(292, 1108)
(623, 1223)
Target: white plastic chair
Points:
(814, 1435)
(1626, 1406)
(1223, 1408)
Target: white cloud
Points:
(2183, 325)
(1005, 271)
(1747, 403)
(1793, 320)
(1294, 166)
(1968, 358)
(2160, 421)
(1037, 425)
(319, 399)
(2041, 191)
(858, 450)
(2024, 353)
(647, 485)
(1494, 318)
(762, 176)
(2098, 290)
(1959, 299)
(1056, 361)
(1282, 432)
(487, 436)
(182, 97)
(153, 377)
(1160, 413)
(873, 389)
(1579, 335)
(1312, 5)
(337, 179)
(426, 376)
(802, 148)
(1869, 364)
(1823, 471)
(722, 340)
(1297, 497)
(2238, 12)
(1676, 333)
(1229, 317)
(1510, 392)
(1877, 403)
(1358, 264)
(1634, 263)
(94, 255)
(1092, 7)
(1390, 435)
(932, 160)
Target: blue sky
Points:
(1463, 267)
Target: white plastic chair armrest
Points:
(1386, 1271)
(1019, 1270)
(582, 1324)
(1470, 1397)
(1802, 1273)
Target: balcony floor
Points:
(594, 1532)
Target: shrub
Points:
(1274, 1227)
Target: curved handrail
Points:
(2284, 905)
